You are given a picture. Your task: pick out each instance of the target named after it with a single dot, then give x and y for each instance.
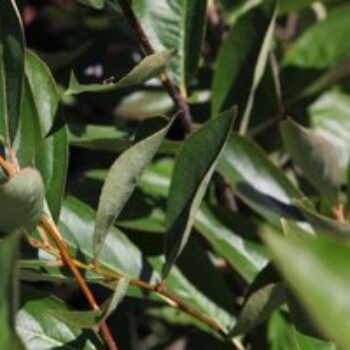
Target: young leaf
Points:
(315, 156)
(8, 292)
(176, 24)
(257, 181)
(193, 170)
(317, 280)
(11, 70)
(150, 67)
(122, 179)
(241, 61)
(21, 201)
(310, 52)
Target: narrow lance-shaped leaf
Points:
(193, 170)
(122, 179)
(176, 24)
(316, 157)
(316, 280)
(241, 61)
(150, 67)
(11, 70)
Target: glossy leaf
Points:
(315, 279)
(330, 117)
(122, 179)
(190, 180)
(257, 181)
(315, 156)
(176, 24)
(118, 253)
(8, 292)
(150, 67)
(42, 140)
(41, 329)
(246, 48)
(11, 70)
(21, 201)
(309, 52)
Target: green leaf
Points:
(258, 307)
(42, 138)
(194, 168)
(39, 328)
(122, 179)
(78, 319)
(245, 256)
(330, 117)
(117, 254)
(8, 292)
(176, 24)
(11, 70)
(283, 335)
(310, 52)
(315, 156)
(293, 5)
(150, 67)
(96, 4)
(21, 201)
(257, 181)
(315, 279)
(246, 48)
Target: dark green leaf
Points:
(11, 70)
(257, 181)
(193, 170)
(150, 67)
(315, 156)
(122, 179)
(258, 307)
(176, 24)
(316, 280)
(241, 61)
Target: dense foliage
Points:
(174, 174)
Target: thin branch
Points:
(179, 100)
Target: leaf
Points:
(324, 224)
(315, 156)
(11, 70)
(21, 201)
(117, 297)
(8, 292)
(122, 179)
(194, 167)
(330, 118)
(293, 5)
(258, 307)
(40, 329)
(150, 67)
(245, 256)
(176, 24)
(315, 279)
(78, 319)
(283, 335)
(118, 253)
(257, 181)
(96, 4)
(42, 138)
(246, 48)
(309, 52)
